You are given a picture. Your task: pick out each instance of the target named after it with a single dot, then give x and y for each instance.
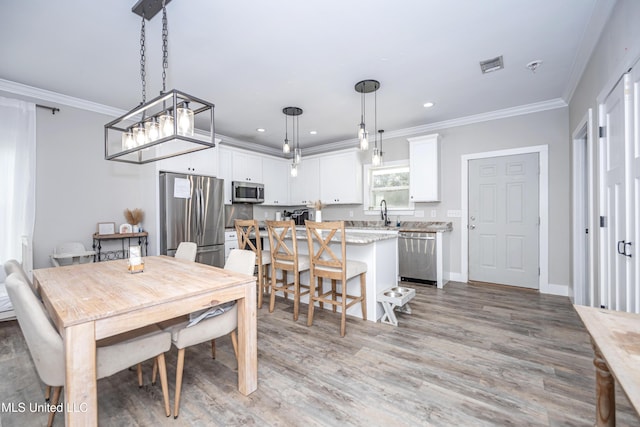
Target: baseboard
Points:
(455, 277)
(553, 289)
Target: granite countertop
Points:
(356, 237)
(406, 226)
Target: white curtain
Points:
(17, 177)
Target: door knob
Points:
(472, 226)
(473, 218)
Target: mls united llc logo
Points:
(21, 407)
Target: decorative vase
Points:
(318, 216)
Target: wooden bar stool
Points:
(284, 257)
(244, 229)
(326, 264)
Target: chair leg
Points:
(179, 368)
(343, 319)
(333, 293)
(363, 294)
(154, 372)
(260, 286)
(320, 287)
(163, 383)
(272, 300)
(47, 393)
(54, 403)
(139, 372)
(234, 341)
(213, 349)
(296, 296)
(285, 284)
(312, 291)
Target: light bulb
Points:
(375, 160)
(297, 155)
(127, 140)
(139, 135)
(153, 129)
(361, 131)
(285, 147)
(364, 141)
(185, 121)
(166, 125)
(294, 170)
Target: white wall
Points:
(543, 128)
(76, 188)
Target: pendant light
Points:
(363, 87)
(295, 112)
(164, 126)
(376, 159)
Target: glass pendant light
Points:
(285, 147)
(166, 125)
(153, 129)
(294, 170)
(376, 160)
(127, 140)
(139, 135)
(295, 112)
(363, 87)
(185, 120)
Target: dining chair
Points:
(13, 266)
(71, 253)
(200, 328)
(248, 233)
(186, 250)
(285, 257)
(326, 264)
(113, 354)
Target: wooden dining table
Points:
(615, 337)
(89, 302)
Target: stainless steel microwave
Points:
(247, 192)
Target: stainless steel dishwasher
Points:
(417, 254)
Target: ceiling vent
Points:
(490, 65)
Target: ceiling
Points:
(252, 58)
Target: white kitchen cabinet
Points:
(226, 172)
(247, 167)
(341, 178)
(305, 188)
(424, 168)
(275, 177)
(230, 242)
(203, 162)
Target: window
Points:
(390, 183)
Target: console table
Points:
(121, 253)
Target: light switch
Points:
(434, 213)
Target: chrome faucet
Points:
(383, 213)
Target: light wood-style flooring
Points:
(468, 355)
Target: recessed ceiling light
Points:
(493, 64)
(313, 132)
(428, 104)
(261, 130)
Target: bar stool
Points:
(244, 230)
(326, 264)
(284, 256)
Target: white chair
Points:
(71, 253)
(13, 266)
(186, 250)
(209, 328)
(113, 354)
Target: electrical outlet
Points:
(350, 214)
(434, 213)
(454, 213)
(419, 214)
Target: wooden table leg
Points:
(80, 393)
(605, 391)
(248, 342)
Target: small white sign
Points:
(181, 188)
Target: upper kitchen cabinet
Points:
(304, 189)
(226, 172)
(247, 167)
(424, 168)
(203, 162)
(275, 177)
(341, 178)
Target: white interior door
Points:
(633, 210)
(614, 292)
(504, 220)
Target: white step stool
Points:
(396, 298)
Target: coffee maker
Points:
(299, 216)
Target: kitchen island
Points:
(378, 249)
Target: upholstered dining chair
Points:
(326, 263)
(285, 257)
(248, 232)
(113, 354)
(224, 321)
(186, 250)
(13, 266)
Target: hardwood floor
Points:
(468, 355)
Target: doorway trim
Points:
(583, 196)
(543, 207)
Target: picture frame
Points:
(125, 228)
(106, 228)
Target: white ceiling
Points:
(253, 57)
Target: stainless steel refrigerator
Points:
(192, 210)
